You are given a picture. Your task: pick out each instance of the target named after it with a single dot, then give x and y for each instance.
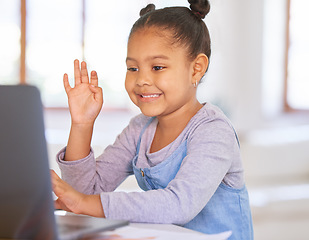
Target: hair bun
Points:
(150, 7)
(199, 7)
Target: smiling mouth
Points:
(150, 96)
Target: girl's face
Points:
(159, 75)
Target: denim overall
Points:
(228, 209)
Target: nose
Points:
(143, 78)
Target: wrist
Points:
(91, 205)
(79, 142)
(82, 126)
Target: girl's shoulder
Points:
(210, 112)
(210, 118)
(211, 126)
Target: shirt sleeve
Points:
(105, 173)
(211, 150)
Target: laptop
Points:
(26, 200)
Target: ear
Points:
(200, 64)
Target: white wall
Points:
(234, 77)
(245, 78)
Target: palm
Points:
(86, 98)
(84, 108)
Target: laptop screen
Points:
(26, 207)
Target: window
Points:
(53, 41)
(42, 39)
(297, 83)
(9, 42)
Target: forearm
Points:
(92, 206)
(79, 142)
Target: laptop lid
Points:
(26, 202)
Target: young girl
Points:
(184, 154)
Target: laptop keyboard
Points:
(66, 228)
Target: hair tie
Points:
(149, 8)
(200, 8)
(200, 15)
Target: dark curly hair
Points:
(186, 25)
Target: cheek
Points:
(128, 84)
(166, 81)
(175, 80)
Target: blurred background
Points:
(258, 75)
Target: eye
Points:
(132, 69)
(157, 68)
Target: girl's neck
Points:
(178, 118)
(170, 127)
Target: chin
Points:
(149, 112)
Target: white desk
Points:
(143, 231)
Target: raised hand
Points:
(86, 97)
(85, 103)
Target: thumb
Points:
(58, 204)
(98, 93)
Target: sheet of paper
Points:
(134, 233)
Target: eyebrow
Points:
(149, 58)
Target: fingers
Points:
(68, 197)
(98, 93)
(58, 204)
(57, 183)
(77, 73)
(84, 73)
(81, 75)
(54, 179)
(66, 84)
(54, 175)
(94, 78)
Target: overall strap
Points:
(141, 134)
(236, 136)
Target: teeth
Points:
(150, 96)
